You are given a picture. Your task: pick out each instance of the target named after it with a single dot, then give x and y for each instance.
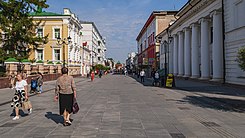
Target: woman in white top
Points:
(20, 95)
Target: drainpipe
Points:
(224, 64)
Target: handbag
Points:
(75, 107)
(26, 105)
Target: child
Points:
(33, 85)
(40, 82)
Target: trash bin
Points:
(170, 81)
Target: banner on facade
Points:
(151, 61)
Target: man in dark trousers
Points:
(153, 76)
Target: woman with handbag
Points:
(65, 91)
(20, 95)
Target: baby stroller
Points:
(33, 85)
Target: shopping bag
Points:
(26, 105)
(75, 107)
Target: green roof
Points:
(25, 60)
(46, 14)
(11, 60)
(50, 62)
(39, 61)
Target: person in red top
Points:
(92, 75)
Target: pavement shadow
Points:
(21, 113)
(192, 86)
(146, 82)
(55, 117)
(223, 104)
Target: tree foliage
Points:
(99, 67)
(241, 58)
(17, 28)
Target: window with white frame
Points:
(57, 33)
(57, 54)
(39, 54)
(40, 32)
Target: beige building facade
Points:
(63, 27)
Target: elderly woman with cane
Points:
(65, 91)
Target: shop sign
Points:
(151, 61)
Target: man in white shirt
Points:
(156, 79)
(142, 76)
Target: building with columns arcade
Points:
(204, 41)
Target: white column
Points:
(181, 54)
(195, 68)
(187, 52)
(175, 54)
(205, 57)
(218, 65)
(171, 49)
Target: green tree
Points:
(241, 58)
(18, 28)
(99, 67)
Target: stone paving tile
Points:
(133, 133)
(132, 125)
(159, 136)
(58, 136)
(108, 136)
(152, 125)
(156, 131)
(118, 106)
(86, 131)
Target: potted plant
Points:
(241, 58)
(39, 62)
(50, 62)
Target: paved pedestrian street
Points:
(116, 106)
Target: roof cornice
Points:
(189, 10)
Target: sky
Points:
(119, 21)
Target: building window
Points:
(239, 13)
(40, 32)
(57, 54)
(141, 48)
(57, 33)
(39, 54)
(211, 35)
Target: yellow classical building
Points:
(64, 40)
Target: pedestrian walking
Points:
(40, 82)
(142, 76)
(92, 76)
(125, 72)
(100, 73)
(153, 76)
(65, 91)
(20, 95)
(156, 79)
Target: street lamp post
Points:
(83, 64)
(165, 43)
(63, 42)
